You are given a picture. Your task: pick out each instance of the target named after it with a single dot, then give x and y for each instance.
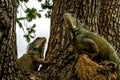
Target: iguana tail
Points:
(118, 71)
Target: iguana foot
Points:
(111, 65)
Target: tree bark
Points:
(8, 48)
(66, 62)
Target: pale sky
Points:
(42, 29)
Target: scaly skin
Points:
(38, 46)
(90, 42)
(34, 56)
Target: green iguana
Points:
(37, 45)
(34, 56)
(90, 42)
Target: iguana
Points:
(37, 45)
(90, 42)
(34, 56)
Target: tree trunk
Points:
(67, 64)
(8, 48)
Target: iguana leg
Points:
(40, 61)
(111, 66)
(109, 63)
(43, 61)
(91, 46)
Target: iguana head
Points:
(70, 20)
(36, 48)
(73, 23)
(38, 43)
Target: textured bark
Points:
(8, 51)
(101, 16)
(60, 50)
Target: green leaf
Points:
(31, 31)
(24, 1)
(21, 18)
(39, 15)
(19, 23)
(27, 38)
(27, 28)
(39, 0)
(46, 5)
(40, 10)
(27, 10)
(32, 36)
(34, 25)
(31, 14)
(48, 14)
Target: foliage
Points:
(31, 30)
(32, 14)
(24, 1)
(47, 5)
